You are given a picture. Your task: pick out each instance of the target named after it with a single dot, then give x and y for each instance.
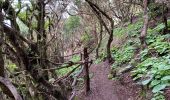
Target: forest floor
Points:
(104, 89)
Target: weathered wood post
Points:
(86, 70)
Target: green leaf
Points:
(159, 27)
(155, 82)
(158, 76)
(163, 67)
(159, 87)
(153, 99)
(166, 78)
(154, 71)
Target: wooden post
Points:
(2, 69)
(86, 70)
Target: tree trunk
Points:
(145, 26)
(86, 69)
(99, 41)
(164, 18)
(41, 37)
(109, 55)
(166, 24)
(2, 72)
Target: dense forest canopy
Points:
(48, 48)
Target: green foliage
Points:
(119, 32)
(85, 37)
(22, 15)
(124, 54)
(131, 30)
(101, 57)
(157, 41)
(160, 46)
(154, 34)
(158, 71)
(168, 21)
(158, 87)
(133, 42)
(23, 28)
(64, 71)
(144, 54)
(12, 67)
(158, 96)
(47, 24)
(159, 27)
(75, 58)
(72, 23)
(154, 66)
(134, 30)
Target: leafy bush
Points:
(158, 42)
(134, 29)
(160, 46)
(159, 27)
(154, 72)
(131, 30)
(119, 32)
(64, 71)
(133, 42)
(144, 54)
(151, 71)
(123, 55)
(158, 96)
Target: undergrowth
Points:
(153, 67)
(64, 71)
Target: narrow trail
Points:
(101, 86)
(104, 89)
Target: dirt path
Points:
(104, 89)
(101, 86)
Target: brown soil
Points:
(104, 89)
(167, 94)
